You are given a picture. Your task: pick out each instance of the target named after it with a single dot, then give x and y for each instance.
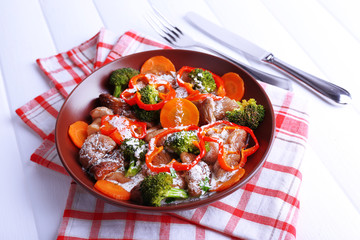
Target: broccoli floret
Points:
(202, 80)
(249, 114)
(155, 188)
(146, 116)
(120, 79)
(182, 141)
(149, 95)
(205, 184)
(134, 150)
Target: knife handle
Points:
(331, 91)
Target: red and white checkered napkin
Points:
(265, 208)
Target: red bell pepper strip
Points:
(181, 83)
(178, 166)
(145, 78)
(128, 95)
(244, 153)
(138, 129)
(134, 81)
(131, 95)
(221, 153)
(119, 128)
(195, 94)
(164, 96)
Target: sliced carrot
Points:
(78, 133)
(157, 65)
(112, 190)
(179, 112)
(234, 85)
(234, 179)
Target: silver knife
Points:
(329, 91)
(177, 38)
(260, 75)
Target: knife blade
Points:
(327, 90)
(260, 75)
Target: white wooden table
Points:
(318, 36)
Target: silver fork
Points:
(177, 38)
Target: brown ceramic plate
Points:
(83, 98)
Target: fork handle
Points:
(260, 75)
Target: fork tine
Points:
(159, 30)
(165, 29)
(167, 22)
